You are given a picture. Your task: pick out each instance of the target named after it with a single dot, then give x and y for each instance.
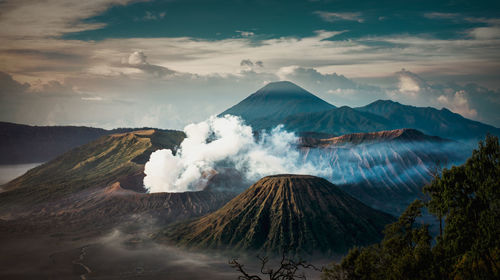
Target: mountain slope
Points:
(336, 121)
(302, 112)
(303, 213)
(385, 169)
(99, 185)
(406, 135)
(443, 123)
(27, 144)
(113, 158)
(275, 102)
(95, 209)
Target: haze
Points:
(121, 63)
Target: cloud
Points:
(124, 100)
(335, 88)
(246, 62)
(37, 19)
(11, 86)
(220, 143)
(485, 33)
(363, 57)
(250, 65)
(409, 83)
(245, 33)
(208, 70)
(92, 98)
(152, 16)
(331, 16)
(138, 60)
(458, 103)
(295, 72)
(438, 15)
(470, 100)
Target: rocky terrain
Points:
(298, 213)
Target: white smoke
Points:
(224, 141)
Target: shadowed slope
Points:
(95, 209)
(274, 102)
(336, 121)
(303, 213)
(27, 144)
(443, 123)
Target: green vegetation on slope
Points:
(468, 196)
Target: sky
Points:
(124, 63)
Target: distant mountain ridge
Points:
(443, 122)
(272, 106)
(298, 213)
(21, 143)
(405, 134)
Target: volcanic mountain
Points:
(384, 169)
(101, 183)
(338, 121)
(299, 213)
(389, 115)
(276, 101)
(302, 112)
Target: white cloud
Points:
(331, 16)
(485, 33)
(245, 33)
(137, 58)
(153, 16)
(408, 85)
(222, 142)
(92, 98)
(332, 87)
(458, 103)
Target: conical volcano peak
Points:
(275, 102)
(282, 87)
(301, 213)
(292, 181)
(292, 176)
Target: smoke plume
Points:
(222, 142)
(225, 143)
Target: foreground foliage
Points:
(468, 196)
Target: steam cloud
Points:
(225, 141)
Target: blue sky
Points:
(112, 63)
(215, 20)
